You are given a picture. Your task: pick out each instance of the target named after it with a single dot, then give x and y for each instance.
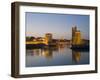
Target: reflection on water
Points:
(54, 56)
(76, 55)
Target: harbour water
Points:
(55, 56)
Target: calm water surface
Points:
(55, 56)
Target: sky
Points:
(60, 25)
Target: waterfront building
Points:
(48, 38)
(74, 29)
(76, 36)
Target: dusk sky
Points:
(60, 25)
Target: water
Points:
(55, 56)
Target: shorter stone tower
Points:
(48, 38)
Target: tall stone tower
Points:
(48, 38)
(76, 36)
(74, 29)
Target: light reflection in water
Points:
(76, 56)
(52, 56)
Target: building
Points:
(76, 36)
(48, 38)
(74, 29)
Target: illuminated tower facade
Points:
(48, 38)
(76, 36)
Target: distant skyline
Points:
(60, 25)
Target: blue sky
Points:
(60, 25)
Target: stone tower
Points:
(48, 38)
(76, 36)
(74, 29)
